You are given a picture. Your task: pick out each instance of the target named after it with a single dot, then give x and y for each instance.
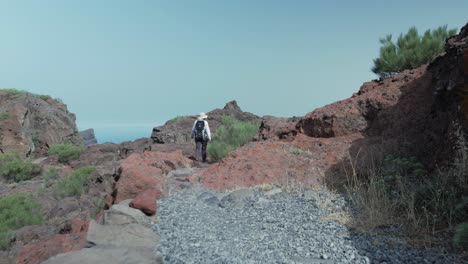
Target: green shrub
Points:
(296, 151)
(66, 152)
(75, 184)
(99, 205)
(229, 136)
(4, 116)
(13, 92)
(410, 50)
(19, 93)
(13, 168)
(17, 211)
(461, 236)
(175, 119)
(51, 175)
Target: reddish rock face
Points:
(303, 161)
(146, 202)
(356, 114)
(74, 239)
(31, 124)
(277, 128)
(141, 172)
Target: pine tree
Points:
(410, 50)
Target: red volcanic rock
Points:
(146, 202)
(274, 162)
(75, 239)
(356, 114)
(145, 171)
(32, 123)
(277, 128)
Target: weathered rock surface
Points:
(146, 171)
(277, 128)
(67, 241)
(146, 202)
(125, 236)
(275, 162)
(121, 214)
(30, 124)
(179, 132)
(88, 136)
(356, 114)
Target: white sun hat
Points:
(202, 116)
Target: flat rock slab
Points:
(121, 214)
(127, 236)
(102, 255)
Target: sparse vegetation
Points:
(296, 151)
(99, 204)
(461, 236)
(50, 176)
(173, 120)
(17, 211)
(75, 184)
(20, 93)
(13, 168)
(66, 152)
(410, 50)
(229, 136)
(4, 116)
(401, 192)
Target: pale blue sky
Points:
(139, 63)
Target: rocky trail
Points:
(269, 225)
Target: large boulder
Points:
(146, 202)
(356, 114)
(277, 128)
(124, 235)
(30, 124)
(146, 171)
(68, 240)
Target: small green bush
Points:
(296, 151)
(66, 152)
(17, 211)
(13, 92)
(229, 136)
(19, 93)
(461, 236)
(51, 175)
(4, 116)
(75, 184)
(410, 50)
(13, 168)
(175, 119)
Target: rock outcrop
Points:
(124, 236)
(179, 132)
(88, 136)
(146, 171)
(30, 124)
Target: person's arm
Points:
(208, 133)
(193, 129)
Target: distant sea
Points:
(121, 134)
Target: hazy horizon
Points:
(124, 67)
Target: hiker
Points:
(201, 134)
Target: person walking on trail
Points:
(202, 135)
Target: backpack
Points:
(200, 130)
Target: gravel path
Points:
(251, 226)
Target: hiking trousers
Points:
(200, 146)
